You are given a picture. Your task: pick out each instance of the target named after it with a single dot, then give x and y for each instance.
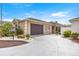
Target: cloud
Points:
(31, 14)
(45, 19)
(62, 20)
(62, 16)
(59, 14)
(17, 5)
(7, 19)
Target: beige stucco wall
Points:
(26, 26)
(47, 28)
(22, 25)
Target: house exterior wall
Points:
(65, 28)
(25, 25)
(28, 27)
(47, 29)
(75, 26)
(22, 25)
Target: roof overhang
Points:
(74, 19)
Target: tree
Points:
(6, 29)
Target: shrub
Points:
(28, 36)
(21, 36)
(74, 35)
(19, 31)
(67, 33)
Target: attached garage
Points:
(36, 29)
(34, 26)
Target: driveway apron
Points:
(44, 45)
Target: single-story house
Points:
(74, 26)
(34, 26)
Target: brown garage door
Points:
(36, 29)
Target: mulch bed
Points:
(11, 43)
(75, 40)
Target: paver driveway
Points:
(47, 45)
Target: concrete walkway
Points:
(47, 45)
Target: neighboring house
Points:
(35, 26)
(75, 25)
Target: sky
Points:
(61, 12)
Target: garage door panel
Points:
(36, 29)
